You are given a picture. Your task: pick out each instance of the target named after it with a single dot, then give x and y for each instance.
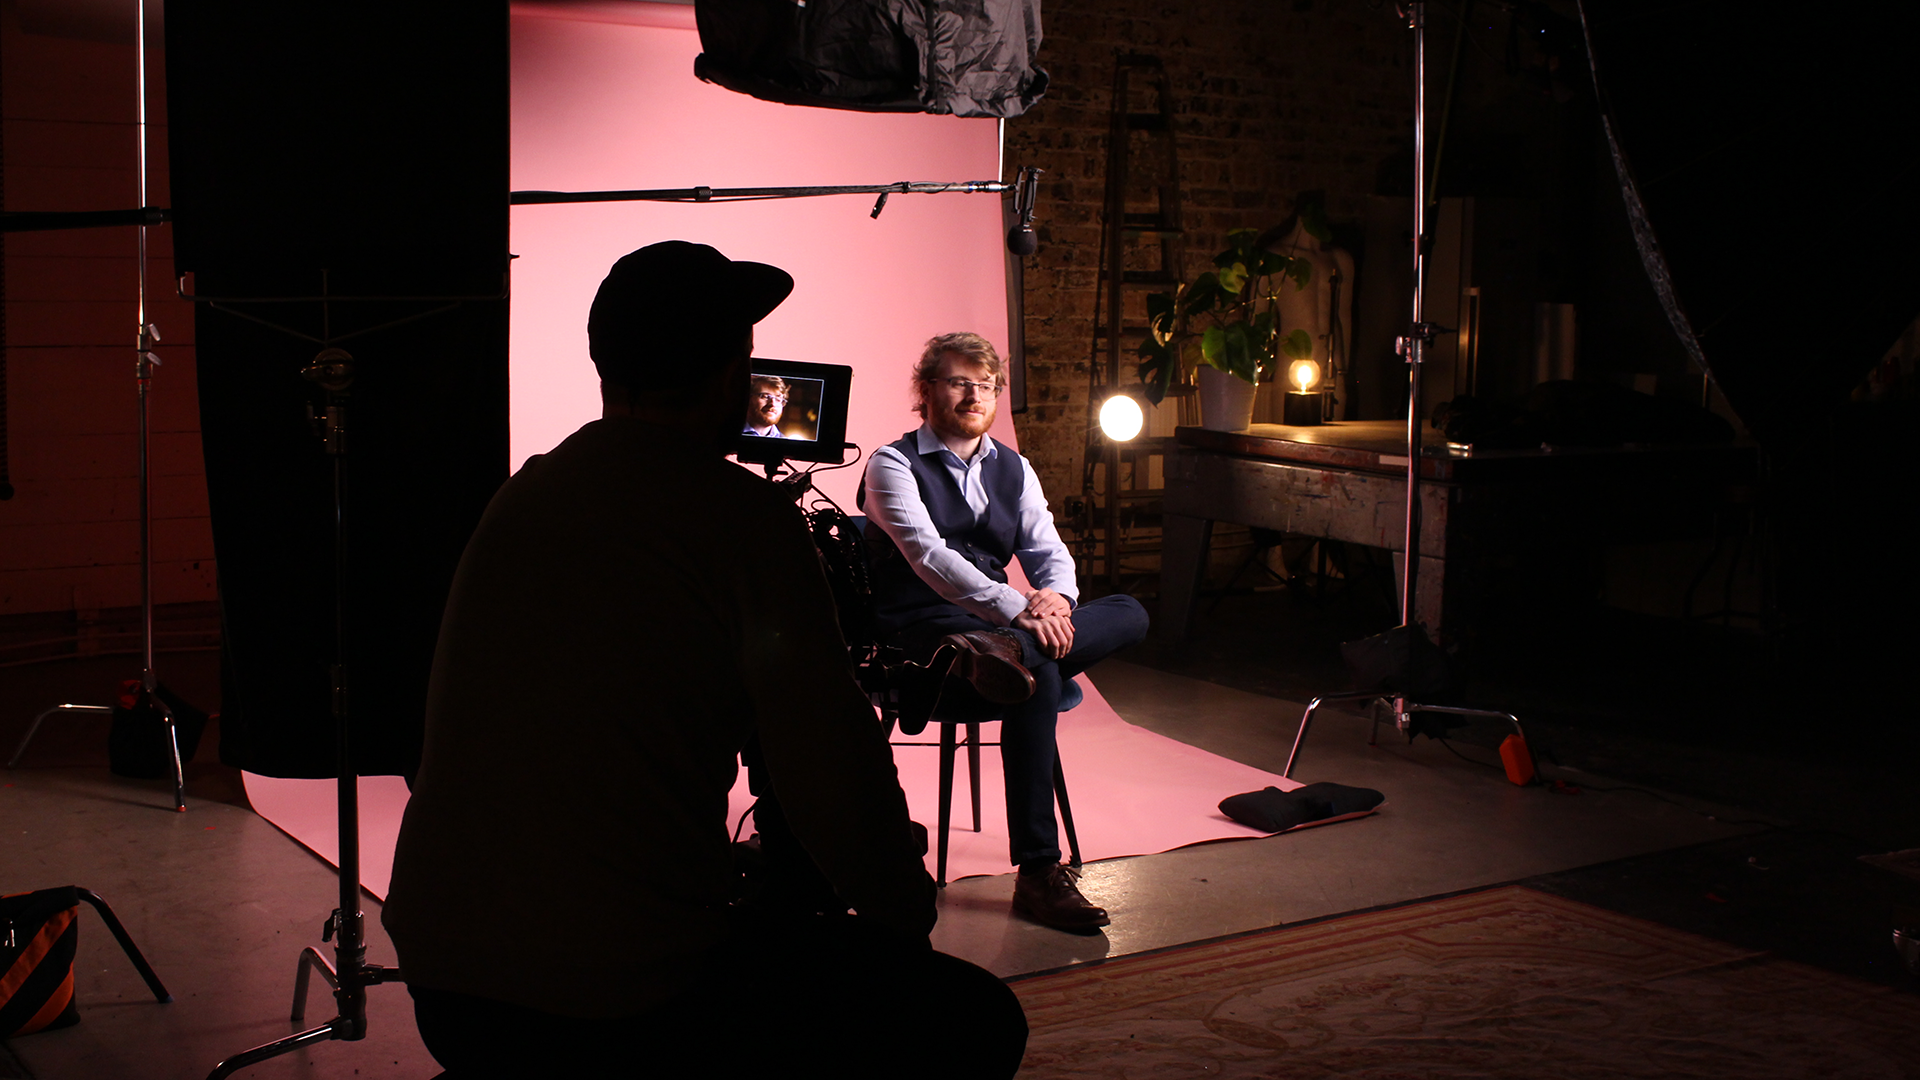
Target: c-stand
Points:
(1412, 347)
(349, 974)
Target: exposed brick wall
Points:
(69, 539)
(1271, 98)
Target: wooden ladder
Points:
(1122, 482)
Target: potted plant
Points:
(1225, 324)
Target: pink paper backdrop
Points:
(1134, 792)
(600, 105)
(604, 98)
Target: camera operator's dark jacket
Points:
(628, 613)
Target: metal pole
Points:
(1416, 341)
(142, 366)
(1413, 347)
(350, 950)
(143, 363)
(351, 975)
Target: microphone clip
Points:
(1026, 191)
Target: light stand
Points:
(349, 975)
(1413, 347)
(143, 364)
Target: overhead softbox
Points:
(340, 180)
(939, 56)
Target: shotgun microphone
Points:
(1021, 239)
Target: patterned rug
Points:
(1504, 983)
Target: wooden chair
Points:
(950, 723)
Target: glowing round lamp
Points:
(1121, 418)
(1304, 374)
(1304, 405)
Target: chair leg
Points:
(946, 800)
(1066, 809)
(973, 769)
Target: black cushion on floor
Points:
(1273, 810)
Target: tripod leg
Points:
(34, 728)
(173, 745)
(271, 1050)
(1306, 721)
(1491, 714)
(310, 962)
(126, 944)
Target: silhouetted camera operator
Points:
(631, 610)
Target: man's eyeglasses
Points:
(960, 386)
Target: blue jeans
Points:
(1100, 628)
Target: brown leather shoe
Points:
(1053, 899)
(990, 660)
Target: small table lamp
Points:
(1306, 403)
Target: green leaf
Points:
(1213, 347)
(1233, 279)
(1160, 313)
(1301, 272)
(1298, 345)
(1242, 238)
(1240, 357)
(1202, 295)
(1156, 370)
(1263, 329)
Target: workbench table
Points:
(1346, 481)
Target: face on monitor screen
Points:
(795, 411)
(779, 408)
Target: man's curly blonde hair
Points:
(963, 344)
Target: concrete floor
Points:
(1448, 824)
(222, 902)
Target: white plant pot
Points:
(1226, 401)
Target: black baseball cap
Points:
(666, 307)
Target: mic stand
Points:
(1412, 347)
(349, 975)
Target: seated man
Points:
(951, 508)
(766, 400)
(630, 612)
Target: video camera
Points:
(797, 411)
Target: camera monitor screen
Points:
(795, 412)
